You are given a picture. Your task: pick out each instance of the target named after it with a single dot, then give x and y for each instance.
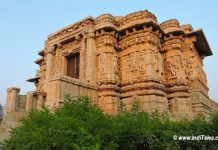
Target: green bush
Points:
(80, 125)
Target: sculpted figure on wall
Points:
(185, 65)
(102, 61)
(133, 61)
(115, 63)
(172, 67)
(136, 61)
(141, 61)
(158, 63)
(192, 67)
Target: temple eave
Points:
(35, 79)
(202, 43)
(41, 52)
(38, 61)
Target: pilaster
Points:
(90, 56)
(49, 55)
(176, 82)
(83, 52)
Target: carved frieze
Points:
(139, 37)
(102, 65)
(172, 44)
(114, 60)
(72, 29)
(192, 68)
(158, 64)
(135, 61)
(108, 67)
(172, 66)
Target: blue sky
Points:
(25, 24)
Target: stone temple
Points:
(115, 59)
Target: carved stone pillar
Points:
(49, 55)
(90, 57)
(176, 82)
(108, 78)
(12, 99)
(63, 65)
(83, 59)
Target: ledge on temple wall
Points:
(39, 60)
(68, 79)
(41, 52)
(201, 43)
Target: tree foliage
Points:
(80, 125)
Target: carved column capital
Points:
(51, 49)
(59, 45)
(89, 32)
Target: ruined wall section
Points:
(18, 107)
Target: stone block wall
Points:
(17, 107)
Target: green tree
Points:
(80, 125)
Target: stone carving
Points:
(58, 56)
(204, 77)
(158, 63)
(191, 66)
(136, 61)
(141, 61)
(172, 67)
(133, 60)
(102, 61)
(115, 63)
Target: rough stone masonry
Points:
(115, 59)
